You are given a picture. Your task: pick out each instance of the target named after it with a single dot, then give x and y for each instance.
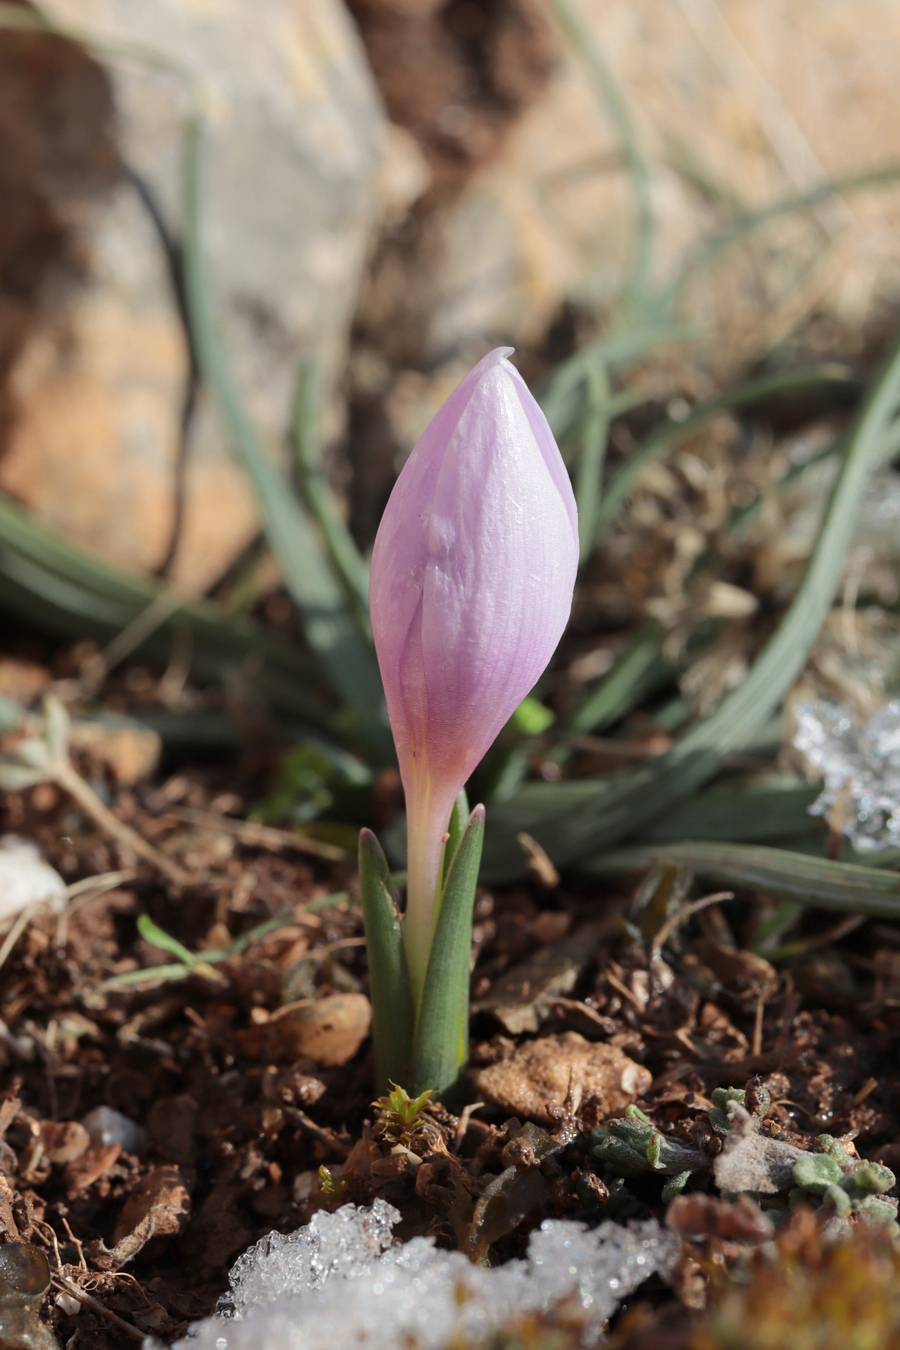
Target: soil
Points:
(251, 1076)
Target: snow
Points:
(859, 763)
(339, 1282)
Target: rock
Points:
(98, 382)
(735, 106)
(25, 879)
(328, 1030)
(536, 1079)
(24, 1280)
(106, 1126)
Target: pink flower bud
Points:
(471, 587)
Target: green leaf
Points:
(764, 810)
(457, 824)
(639, 670)
(625, 801)
(711, 249)
(670, 433)
(582, 40)
(592, 456)
(846, 887)
(390, 992)
(67, 591)
(328, 621)
(152, 933)
(442, 1033)
(346, 559)
(816, 1172)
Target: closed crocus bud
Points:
(471, 587)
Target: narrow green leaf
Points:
(151, 932)
(624, 481)
(390, 992)
(711, 249)
(328, 623)
(346, 559)
(592, 456)
(640, 669)
(741, 814)
(68, 591)
(582, 40)
(625, 801)
(562, 393)
(458, 819)
(149, 975)
(442, 1033)
(818, 882)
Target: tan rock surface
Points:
(97, 387)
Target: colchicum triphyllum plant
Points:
(471, 587)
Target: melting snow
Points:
(339, 1282)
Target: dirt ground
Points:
(250, 1077)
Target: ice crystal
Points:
(859, 763)
(338, 1283)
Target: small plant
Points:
(402, 1119)
(472, 577)
(632, 1145)
(835, 1179)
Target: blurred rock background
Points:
(395, 185)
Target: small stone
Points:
(329, 1030)
(536, 1079)
(106, 1126)
(25, 879)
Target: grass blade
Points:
(346, 559)
(622, 803)
(69, 592)
(459, 817)
(346, 658)
(632, 153)
(664, 437)
(442, 1033)
(639, 670)
(593, 453)
(818, 882)
(742, 814)
(389, 987)
(708, 252)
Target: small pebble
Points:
(25, 879)
(329, 1030)
(106, 1126)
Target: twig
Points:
(66, 777)
(81, 892)
(252, 833)
(95, 1305)
(666, 930)
(18, 928)
(328, 1137)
